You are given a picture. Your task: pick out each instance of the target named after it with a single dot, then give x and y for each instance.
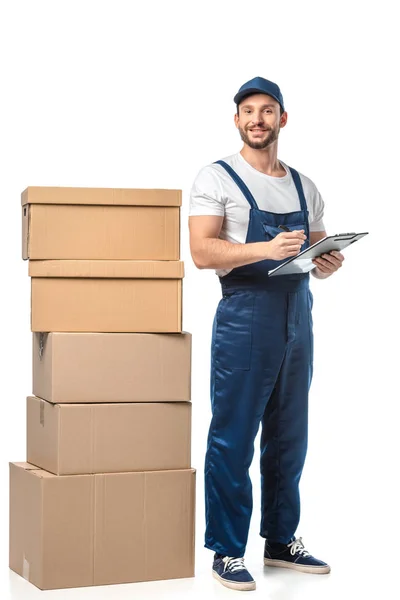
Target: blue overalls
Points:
(261, 370)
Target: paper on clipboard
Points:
(301, 265)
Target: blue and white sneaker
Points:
(232, 573)
(293, 556)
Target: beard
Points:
(272, 136)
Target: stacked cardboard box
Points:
(108, 493)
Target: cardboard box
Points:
(106, 295)
(95, 223)
(81, 530)
(70, 439)
(112, 367)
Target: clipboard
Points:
(302, 262)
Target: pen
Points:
(284, 227)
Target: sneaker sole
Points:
(269, 562)
(243, 587)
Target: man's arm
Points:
(210, 252)
(327, 264)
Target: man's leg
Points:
(230, 449)
(285, 428)
(241, 383)
(284, 446)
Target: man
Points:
(249, 213)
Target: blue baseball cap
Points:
(259, 85)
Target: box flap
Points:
(33, 469)
(101, 196)
(42, 473)
(137, 269)
(24, 465)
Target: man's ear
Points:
(283, 119)
(236, 119)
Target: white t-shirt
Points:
(215, 193)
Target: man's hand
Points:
(285, 245)
(327, 264)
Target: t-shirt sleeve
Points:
(206, 197)
(318, 207)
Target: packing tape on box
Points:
(25, 569)
(41, 345)
(41, 413)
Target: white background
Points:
(139, 94)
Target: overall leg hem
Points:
(276, 540)
(220, 550)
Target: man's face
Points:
(259, 120)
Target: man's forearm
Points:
(220, 254)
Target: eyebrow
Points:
(263, 106)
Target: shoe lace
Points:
(233, 564)
(297, 547)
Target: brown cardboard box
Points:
(106, 295)
(112, 367)
(70, 439)
(81, 530)
(95, 223)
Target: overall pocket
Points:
(234, 331)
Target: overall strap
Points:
(240, 183)
(303, 202)
(299, 188)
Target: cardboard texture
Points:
(106, 296)
(82, 530)
(112, 367)
(68, 439)
(100, 223)
(101, 196)
(55, 231)
(106, 269)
